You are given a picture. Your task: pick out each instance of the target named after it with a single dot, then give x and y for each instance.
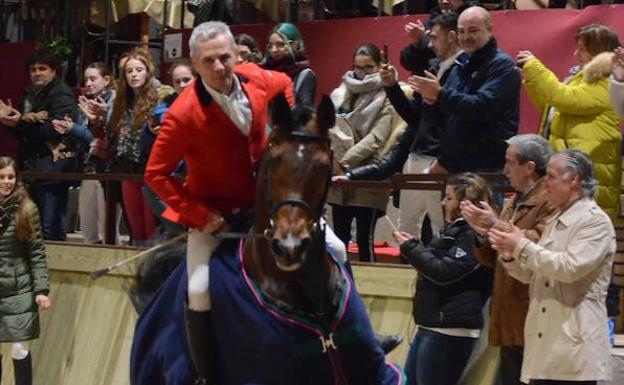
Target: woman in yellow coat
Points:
(576, 113)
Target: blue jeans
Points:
(437, 359)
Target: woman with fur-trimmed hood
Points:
(577, 112)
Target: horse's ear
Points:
(325, 115)
(281, 115)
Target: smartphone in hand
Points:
(384, 54)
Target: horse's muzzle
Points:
(290, 251)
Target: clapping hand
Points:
(427, 86)
(9, 116)
(617, 64)
(92, 108)
(415, 32)
(504, 239)
(481, 219)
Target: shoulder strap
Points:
(299, 79)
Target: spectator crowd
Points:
(544, 255)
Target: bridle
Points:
(316, 213)
(317, 228)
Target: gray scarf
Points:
(369, 100)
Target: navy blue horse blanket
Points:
(258, 342)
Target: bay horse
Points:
(284, 309)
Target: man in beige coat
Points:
(569, 269)
(525, 166)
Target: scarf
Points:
(288, 65)
(362, 100)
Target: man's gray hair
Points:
(208, 31)
(577, 162)
(534, 148)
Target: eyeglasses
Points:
(368, 68)
(277, 44)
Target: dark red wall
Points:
(13, 80)
(548, 33)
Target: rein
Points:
(315, 213)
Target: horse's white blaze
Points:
(300, 151)
(290, 242)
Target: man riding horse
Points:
(283, 309)
(217, 126)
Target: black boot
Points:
(23, 371)
(390, 342)
(202, 346)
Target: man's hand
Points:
(427, 86)
(63, 126)
(505, 240)
(9, 116)
(617, 64)
(6, 109)
(522, 57)
(481, 219)
(35, 117)
(215, 223)
(388, 75)
(415, 32)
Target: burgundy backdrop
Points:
(13, 79)
(548, 33)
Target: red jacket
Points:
(219, 158)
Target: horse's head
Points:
(294, 178)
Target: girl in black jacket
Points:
(450, 292)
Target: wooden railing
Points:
(396, 182)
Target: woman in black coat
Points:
(450, 292)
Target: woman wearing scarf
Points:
(363, 129)
(286, 53)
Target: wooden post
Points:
(110, 215)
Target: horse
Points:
(285, 310)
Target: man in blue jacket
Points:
(480, 100)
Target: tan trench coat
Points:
(510, 297)
(569, 270)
